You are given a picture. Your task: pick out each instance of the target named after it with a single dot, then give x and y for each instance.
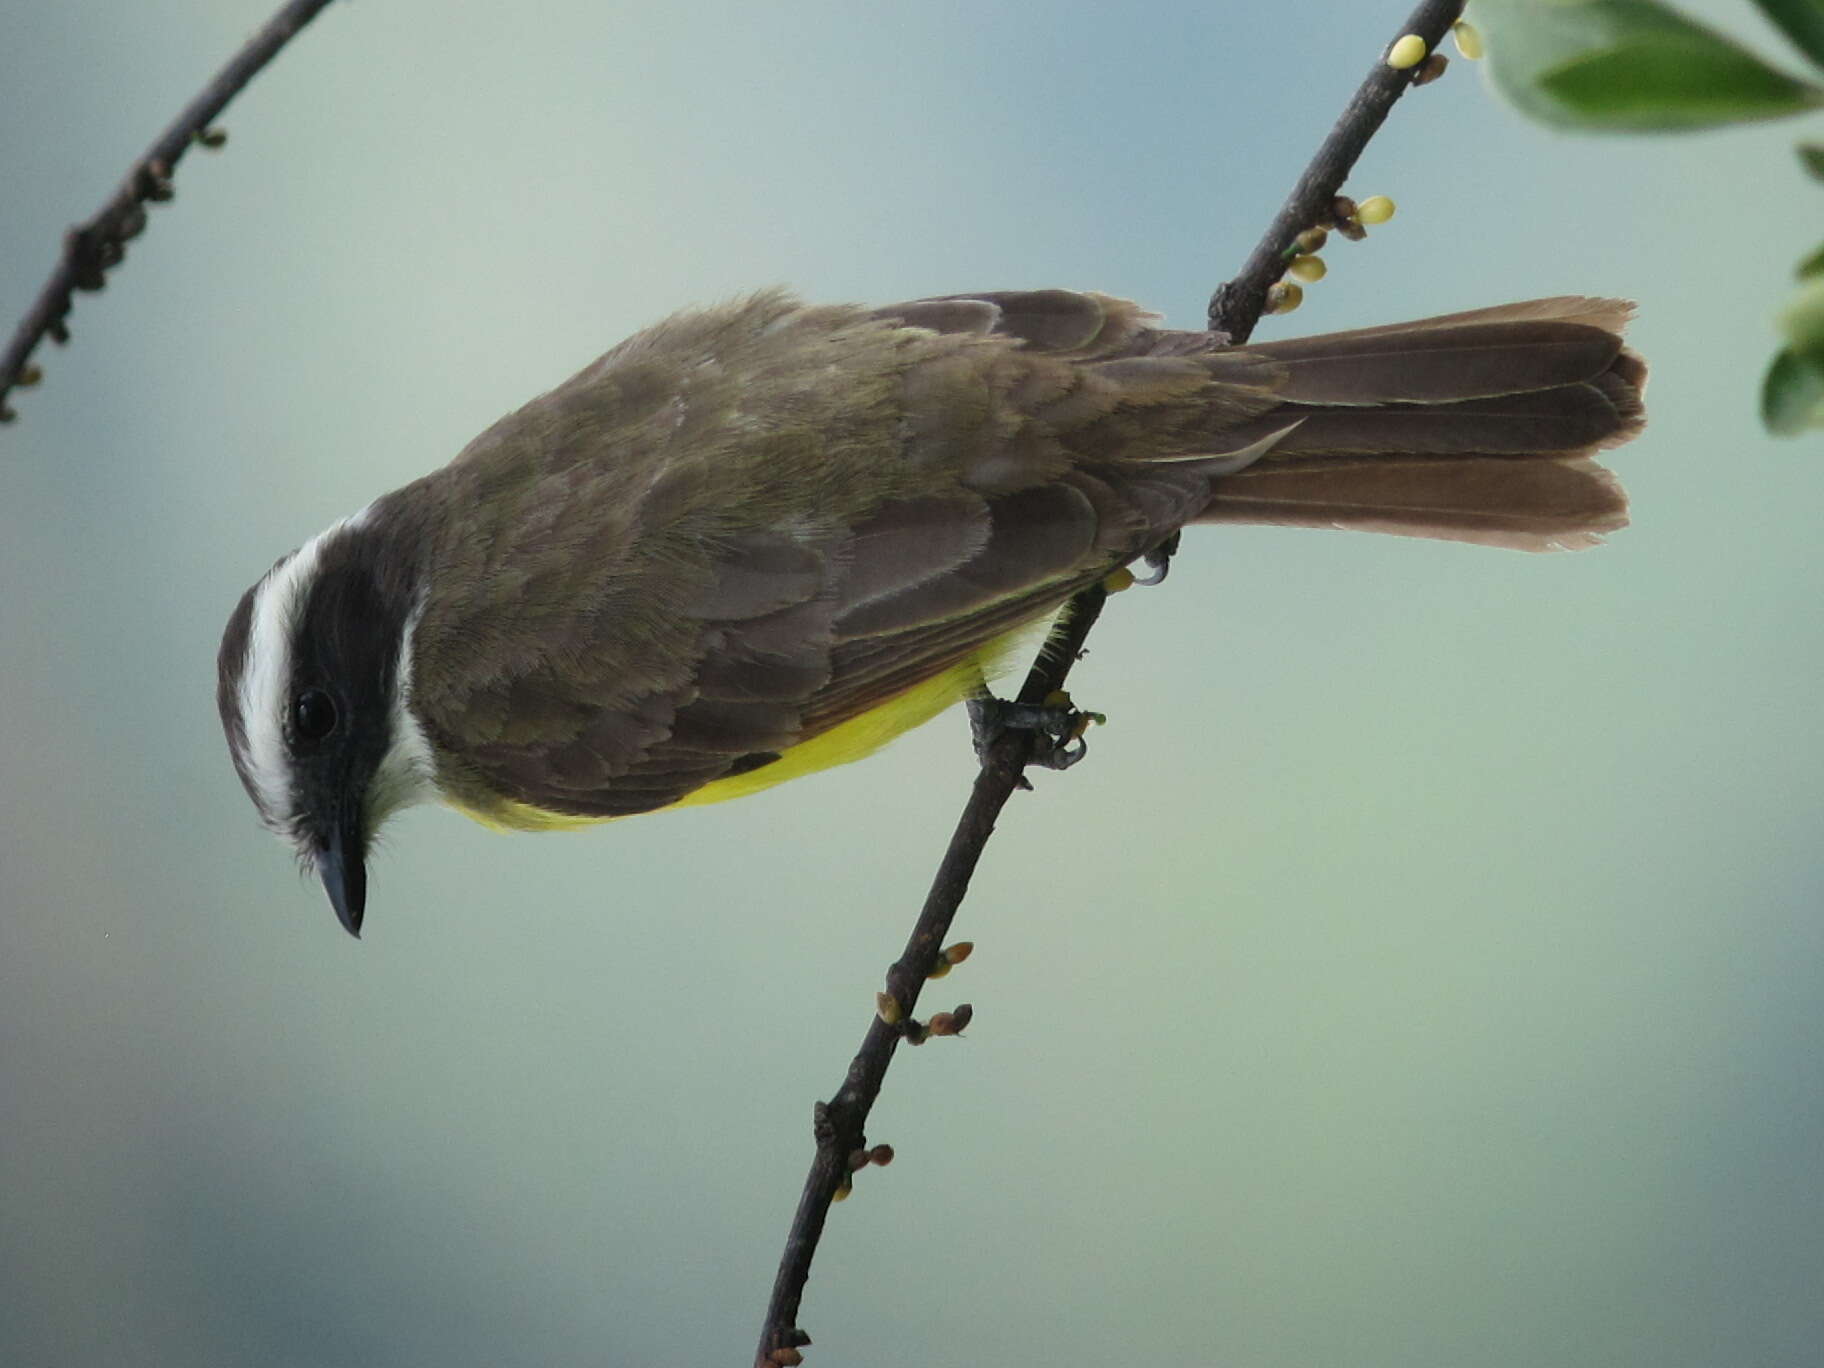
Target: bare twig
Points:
(841, 1122)
(89, 249)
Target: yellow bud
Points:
(1283, 297)
(938, 970)
(1469, 42)
(887, 1008)
(1307, 268)
(959, 952)
(1311, 240)
(1407, 52)
(1374, 209)
(842, 1193)
(1117, 580)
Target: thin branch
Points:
(1236, 306)
(91, 248)
(841, 1122)
(840, 1126)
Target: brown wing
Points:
(701, 557)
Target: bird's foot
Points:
(1056, 728)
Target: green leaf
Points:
(1812, 265)
(1803, 323)
(1792, 395)
(1811, 156)
(1668, 84)
(1629, 66)
(1800, 20)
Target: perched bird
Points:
(764, 538)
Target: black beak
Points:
(342, 867)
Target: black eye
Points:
(313, 715)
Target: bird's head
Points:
(314, 684)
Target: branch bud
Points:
(1431, 68)
(1283, 297)
(1311, 240)
(1406, 52)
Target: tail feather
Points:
(1472, 427)
(1521, 505)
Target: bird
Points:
(761, 538)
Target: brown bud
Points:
(29, 375)
(963, 1015)
(1342, 209)
(786, 1356)
(959, 952)
(212, 138)
(858, 1160)
(881, 1154)
(1430, 69)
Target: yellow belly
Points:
(851, 740)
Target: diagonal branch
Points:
(1237, 304)
(90, 248)
(841, 1123)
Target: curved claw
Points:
(1060, 757)
(1159, 560)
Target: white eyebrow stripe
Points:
(266, 677)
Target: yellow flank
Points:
(852, 740)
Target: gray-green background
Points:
(1424, 971)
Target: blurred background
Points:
(1423, 971)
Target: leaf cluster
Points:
(1640, 66)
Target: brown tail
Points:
(1473, 427)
